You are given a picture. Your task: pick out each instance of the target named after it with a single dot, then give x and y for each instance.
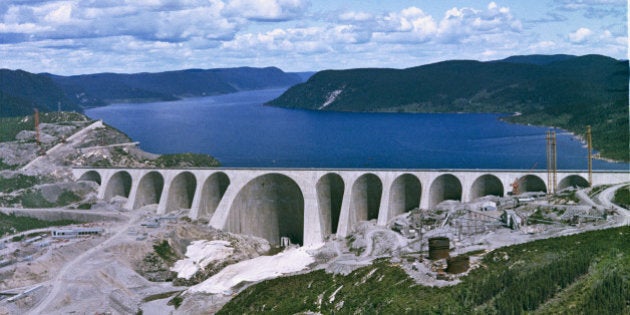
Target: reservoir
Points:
(240, 132)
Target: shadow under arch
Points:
(181, 191)
(486, 185)
(270, 206)
(367, 191)
(118, 185)
(531, 183)
(404, 194)
(92, 176)
(149, 189)
(211, 193)
(445, 187)
(330, 189)
(573, 181)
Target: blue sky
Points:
(88, 36)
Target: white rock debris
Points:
(199, 254)
(331, 98)
(256, 269)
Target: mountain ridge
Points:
(558, 90)
(536, 59)
(22, 91)
(94, 89)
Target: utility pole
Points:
(552, 167)
(39, 145)
(555, 160)
(589, 145)
(40, 150)
(549, 167)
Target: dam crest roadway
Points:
(308, 205)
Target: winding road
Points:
(58, 283)
(605, 198)
(584, 198)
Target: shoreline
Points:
(595, 154)
(503, 118)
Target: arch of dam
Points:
(307, 205)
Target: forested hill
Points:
(560, 90)
(22, 91)
(95, 89)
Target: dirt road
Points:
(605, 198)
(58, 283)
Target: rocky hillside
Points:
(31, 179)
(564, 91)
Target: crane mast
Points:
(552, 165)
(589, 144)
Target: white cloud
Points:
(542, 45)
(608, 38)
(410, 26)
(623, 41)
(62, 14)
(181, 20)
(584, 41)
(465, 25)
(353, 32)
(579, 4)
(19, 15)
(22, 28)
(292, 40)
(595, 9)
(580, 35)
(266, 10)
(411, 19)
(205, 22)
(488, 54)
(168, 20)
(355, 16)
(131, 35)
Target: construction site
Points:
(71, 269)
(116, 260)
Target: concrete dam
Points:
(307, 205)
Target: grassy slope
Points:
(19, 181)
(622, 197)
(186, 160)
(584, 273)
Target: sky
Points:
(126, 36)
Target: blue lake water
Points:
(240, 132)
